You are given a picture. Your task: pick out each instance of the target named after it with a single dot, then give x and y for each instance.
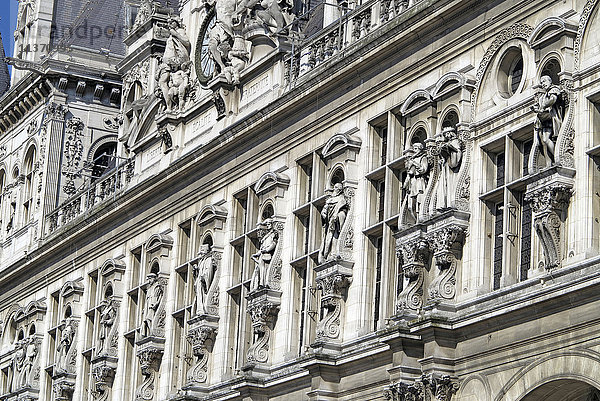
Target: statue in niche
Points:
(550, 112)
(17, 366)
(450, 149)
(203, 277)
(264, 256)
(64, 346)
(107, 319)
(415, 183)
(31, 352)
(174, 65)
(154, 296)
(333, 217)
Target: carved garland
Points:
(583, 21)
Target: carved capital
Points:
(150, 358)
(443, 241)
(549, 199)
(432, 387)
(413, 252)
(56, 111)
(63, 390)
(199, 335)
(413, 248)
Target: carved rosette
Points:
(333, 279)
(414, 253)
(429, 387)
(263, 310)
(442, 242)
(548, 204)
(149, 357)
(201, 335)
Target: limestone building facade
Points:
(243, 200)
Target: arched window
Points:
(28, 194)
(104, 160)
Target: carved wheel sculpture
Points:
(205, 65)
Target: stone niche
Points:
(264, 297)
(24, 372)
(65, 355)
(335, 258)
(106, 329)
(206, 272)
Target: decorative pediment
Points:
(158, 241)
(213, 215)
(449, 83)
(343, 142)
(111, 266)
(551, 29)
(415, 101)
(71, 288)
(270, 181)
(31, 310)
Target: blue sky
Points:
(8, 20)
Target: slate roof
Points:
(92, 24)
(4, 75)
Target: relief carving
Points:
(73, 153)
(333, 282)
(66, 350)
(150, 358)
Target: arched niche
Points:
(102, 155)
(416, 101)
(572, 367)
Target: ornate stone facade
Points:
(261, 200)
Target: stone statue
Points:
(203, 277)
(333, 217)
(176, 58)
(154, 296)
(179, 85)
(31, 352)
(107, 319)
(549, 109)
(417, 168)
(450, 150)
(270, 12)
(264, 256)
(17, 366)
(64, 346)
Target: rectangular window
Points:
(526, 151)
(303, 310)
(498, 244)
(378, 263)
(525, 240)
(185, 233)
(500, 169)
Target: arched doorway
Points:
(564, 390)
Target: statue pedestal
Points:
(225, 96)
(549, 192)
(63, 386)
(333, 279)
